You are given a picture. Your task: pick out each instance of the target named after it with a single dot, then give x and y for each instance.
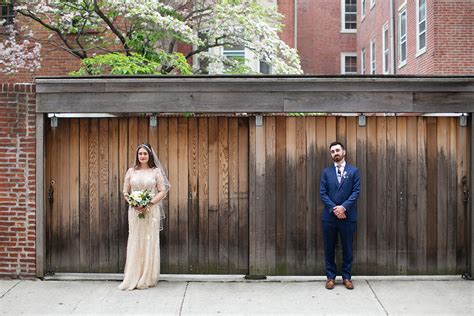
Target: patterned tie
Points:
(339, 173)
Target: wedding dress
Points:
(142, 266)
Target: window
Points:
(265, 68)
(362, 8)
(420, 26)
(349, 63)
(402, 37)
(372, 56)
(385, 49)
(349, 16)
(362, 61)
(372, 3)
(6, 11)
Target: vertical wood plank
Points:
(442, 195)
(114, 195)
(451, 209)
(269, 197)
(193, 205)
(233, 196)
(74, 187)
(462, 218)
(322, 153)
(291, 196)
(94, 184)
(432, 190)
(393, 195)
(362, 208)
(280, 196)
(173, 222)
(243, 195)
(413, 252)
(422, 193)
(259, 217)
(103, 194)
(372, 167)
(381, 204)
(183, 194)
(351, 157)
(213, 215)
(123, 165)
(402, 192)
(223, 167)
(84, 206)
(300, 171)
(64, 240)
(163, 155)
(312, 179)
(203, 195)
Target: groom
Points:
(339, 189)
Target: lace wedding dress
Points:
(142, 266)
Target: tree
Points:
(142, 36)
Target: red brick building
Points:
(352, 36)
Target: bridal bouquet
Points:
(140, 198)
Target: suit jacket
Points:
(346, 193)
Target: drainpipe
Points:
(295, 3)
(393, 40)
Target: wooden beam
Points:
(40, 190)
(255, 95)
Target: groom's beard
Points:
(338, 158)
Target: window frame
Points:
(11, 16)
(372, 4)
(385, 49)
(401, 40)
(343, 63)
(373, 57)
(363, 60)
(363, 7)
(343, 18)
(420, 51)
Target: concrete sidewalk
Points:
(204, 295)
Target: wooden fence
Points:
(245, 198)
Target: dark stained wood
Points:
(311, 195)
(372, 209)
(451, 210)
(74, 204)
(442, 195)
(123, 165)
(322, 153)
(462, 218)
(270, 221)
(114, 195)
(203, 195)
(280, 196)
(422, 194)
(84, 206)
(94, 183)
(259, 215)
(103, 151)
(193, 203)
(360, 259)
(223, 167)
(183, 195)
(163, 155)
(213, 208)
(291, 196)
(381, 195)
(413, 250)
(402, 196)
(233, 159)
(431, 195)
(393, 195)
(173, 197)
(300, 211)
(243, 195)
(64, 194)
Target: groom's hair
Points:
(337, 143)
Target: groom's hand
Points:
(339, 211)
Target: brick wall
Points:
(17, 180)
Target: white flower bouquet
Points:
(140, 199)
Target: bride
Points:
(142, 266)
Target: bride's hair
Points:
(151, 159)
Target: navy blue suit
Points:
(346, 194)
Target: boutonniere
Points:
(345, 175)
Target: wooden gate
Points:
(206, 229)
(412, 211)
(245, 198)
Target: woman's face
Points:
(143, 156)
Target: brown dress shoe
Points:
(348, 284)
(330, 284)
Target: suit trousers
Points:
(345, 229)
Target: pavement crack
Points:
(376, 297)
(8, 291)
(182, 301)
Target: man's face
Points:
(337, 153)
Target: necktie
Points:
(339, 174)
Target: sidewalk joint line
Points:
(376, 297)
(8, 291)
(182, 301)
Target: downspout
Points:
(295, 3)
(393, 40)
